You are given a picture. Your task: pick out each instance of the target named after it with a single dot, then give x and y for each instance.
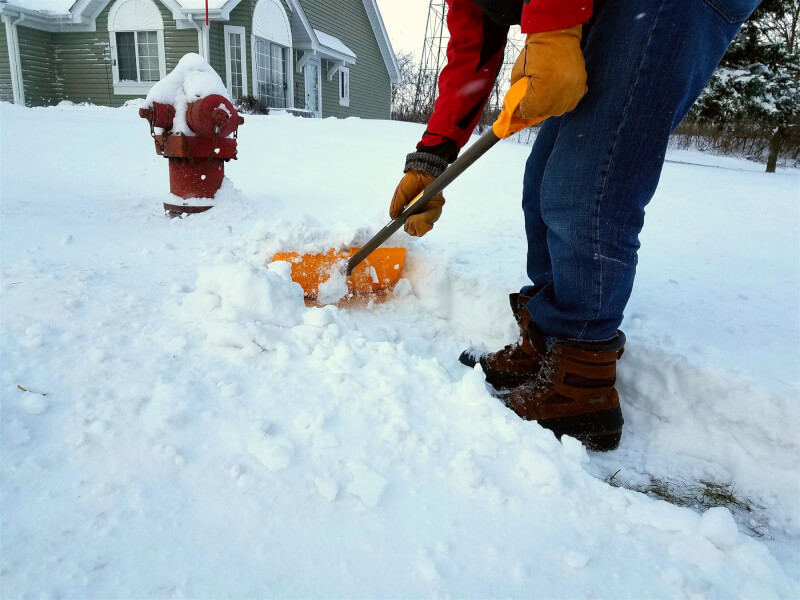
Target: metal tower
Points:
(434, 56)
(514, 45)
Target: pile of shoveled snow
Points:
(205, 433)
(375, 422)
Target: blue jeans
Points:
(592, 172)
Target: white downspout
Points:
(17, 58)
(202, 38)
(17, 85)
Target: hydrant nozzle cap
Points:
(220, 116)
(212, 116)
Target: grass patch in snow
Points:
(701, 496)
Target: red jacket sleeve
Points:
(549, 15)
(474, 57)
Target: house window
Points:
(271, 54)
(136, 32)
(271, 77)
(236, 61)
(137, 56)
(236, 65)
(147, 47)
(344, 86)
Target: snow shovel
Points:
(372, 269)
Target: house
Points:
(322, 57)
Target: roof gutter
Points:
(215, 14)
(37, 18)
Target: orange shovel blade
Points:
(379, 271)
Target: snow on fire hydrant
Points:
(194, 125)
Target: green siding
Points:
(83, 65)
(370, 87)
(216, 48)
(6, 89)
(38, 66)
(177, 42)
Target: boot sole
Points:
(599, 431)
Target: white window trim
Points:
(142, 87)
(344, 73)
(155, 23)
(227, 29)
(288, 59)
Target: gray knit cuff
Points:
(427, 162)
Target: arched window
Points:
(272, 54)
(136, 30)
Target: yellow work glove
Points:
(410, 186)
(553, 63)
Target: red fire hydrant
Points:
(196, 162)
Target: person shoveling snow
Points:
(614, 88)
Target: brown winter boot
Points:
(573, 392)
(516, 363)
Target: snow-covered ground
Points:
(204, 434)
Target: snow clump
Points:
(718, 527)
(191, 79)
(242, 291)
(244, 307)
(335, 287)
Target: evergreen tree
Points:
(758, 80)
